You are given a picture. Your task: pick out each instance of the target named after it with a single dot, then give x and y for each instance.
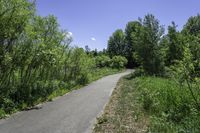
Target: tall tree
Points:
(191, 31)
(131, 28)
(14, 18)
(193, 25)
(148, 45)
(116, 43)
(175, 45)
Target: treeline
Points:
(36, 58)
(144, 44)
(167, 77)
(174, 55)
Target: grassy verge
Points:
(93, 75)
(149, 104)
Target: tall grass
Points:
(56, 88)
(171, 108)
(150, 104)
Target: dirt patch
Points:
(123, 113)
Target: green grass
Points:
(101, 72)
(93, 75)
(171, 108)
(150, 104)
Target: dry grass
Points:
(123, 113)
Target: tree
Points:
(94, 52)
(147, 44)
(191, 32)
(14, 16)
(116, 43)
(175, 45)
(131, 28)
(193, 25)
(87, 49)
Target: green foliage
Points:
(171, 108)
(137, 73)
(131, 29)
(36, 61)
(192, 26)
(2, 113)
(173, 104)
(150, 104)
(184, 73)
(79, 66)
(116, 43)
(144, 45)
(175, 45)
(191, 31)
(102, 61)
(118, 62)
(147, 48)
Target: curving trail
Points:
(74, 112)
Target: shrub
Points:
(83, 79)
(137, 73)
(102, 61)
(7, 106)
(118, 62)
(2, 113)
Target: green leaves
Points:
(175, 45)
(35, 57)
(114, 62)
(118, 62)
(102, 61)
(116, 43)
(14, 16)
(146, 43)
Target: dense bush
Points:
(116, 44)
(103, 61)
(118, 62)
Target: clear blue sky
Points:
(93, 21)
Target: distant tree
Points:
(87, 49)
(104, 51)
(94, 52)
(116, 43)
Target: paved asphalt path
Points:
(74, 112)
